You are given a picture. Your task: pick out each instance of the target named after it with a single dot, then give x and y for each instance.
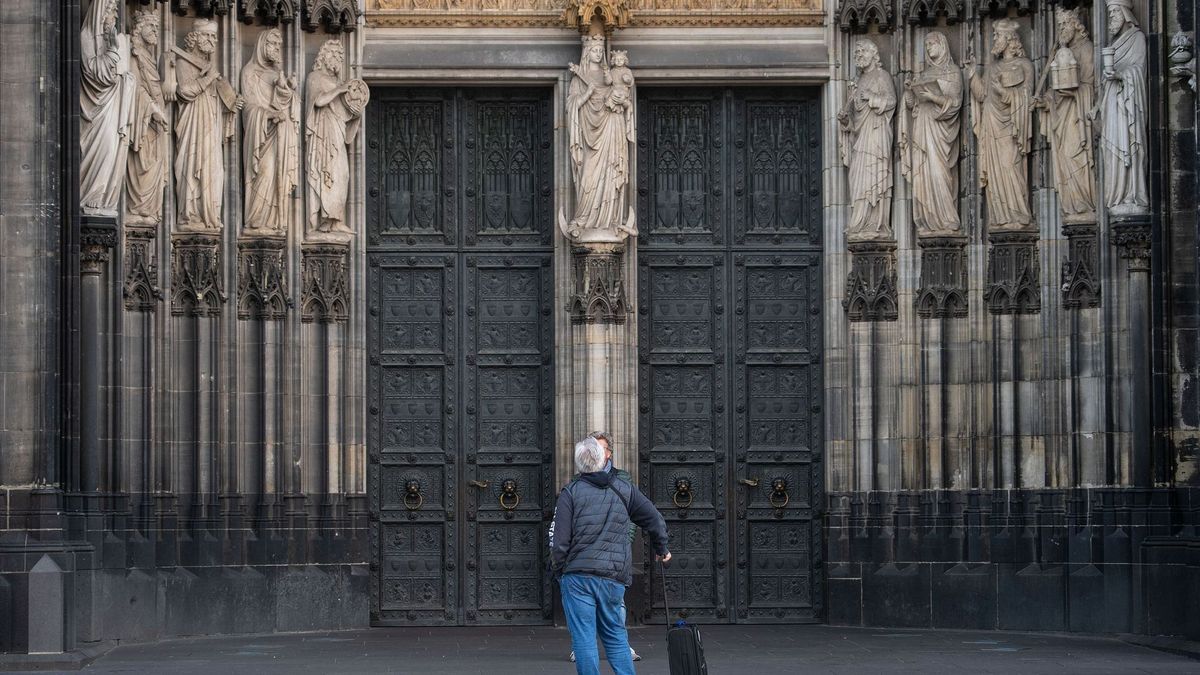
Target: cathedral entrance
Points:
(460, 350)
(730, 333)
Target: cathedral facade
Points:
(891, 306)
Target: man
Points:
(606, 443)
(590, 553)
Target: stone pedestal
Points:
(196, 288)
(599, 295)
(141, 290)
(943, 291)
(871, 285)
(325, 285)
(1080, 277)
(262, 279)
(1013, 279)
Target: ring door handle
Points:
(779, 494)
(682, 496)
(413, 499)
(509, 498)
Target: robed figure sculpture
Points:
(1123, 109)
(601, 132)
(271, 121)
(930, 160)
(866, 127)
(335, 108)
(205, 122)
(106, 91)
(146, 168)
(1003, 122)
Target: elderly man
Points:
(590, 553)
(605, 442)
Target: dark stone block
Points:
(1030, 597)
(964, 596)
(1085, 598)
(844, 600)
(897, 595)
(312, 598)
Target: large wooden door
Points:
(460, 350)
(730, 344)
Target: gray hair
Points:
(589, 456)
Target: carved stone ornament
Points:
(1124, 111)
(551, 14)
(196, 275)
(141, 291)
(871, 286)
(262, 280)
(1182, 60)
(926, 12)
(106, 90)
(943, 290)
(334, 16)
(1080, 281)
(1134, 242)
(858, 15)
(865, 125)
(268, 12)
(202, 7)
(325, 284)
(602, 131)
(583, 14)
(1014, 279)
(599, 295)
(999, 8)
(97, 237)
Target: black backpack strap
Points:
(663, 581)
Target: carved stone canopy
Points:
(604, 14)
(858, 15)
(926, 12)
(334, 16)
(1000, 7)
(202, 7)
(267, 12)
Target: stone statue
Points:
(935, 97)
(1066, 108)
(335, 109)
(866, 128)
(602, 131)
(1123, 109)
(204, 96)
(1003, 122)
(271, 126)
(105, 97)
(145, 171)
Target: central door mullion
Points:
(460, 465)
(731, 440)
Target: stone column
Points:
(1132, 237)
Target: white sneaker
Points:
(632, 654)
(572, 656)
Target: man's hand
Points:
(664, 558)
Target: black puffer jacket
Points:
(590, 532)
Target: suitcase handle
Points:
(666, 607)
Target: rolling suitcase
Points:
(685, 652)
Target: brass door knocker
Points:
(509, 499)
(683, 493)
(413, 499)
(779, 495)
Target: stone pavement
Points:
(773, 650)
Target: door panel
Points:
(460, 347)
(730, 342)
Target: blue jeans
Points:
(596, 606)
